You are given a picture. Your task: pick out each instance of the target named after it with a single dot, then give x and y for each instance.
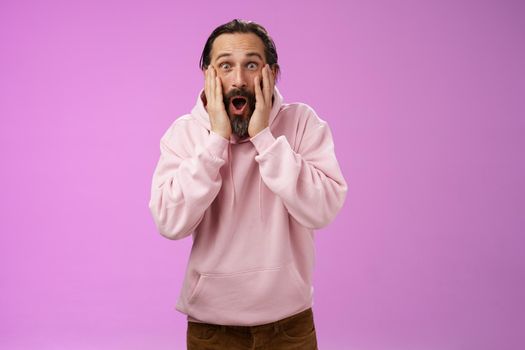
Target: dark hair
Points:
(242, 26)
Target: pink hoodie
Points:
(251, 207)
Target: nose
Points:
(239, 80)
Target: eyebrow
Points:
(249, 54)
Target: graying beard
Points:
(240, 126)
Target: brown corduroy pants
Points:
(290, 333)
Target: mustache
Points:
(250, 97)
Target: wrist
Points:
(257, 129)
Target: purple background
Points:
(425, 100)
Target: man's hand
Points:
(219, 120)
(263, 105)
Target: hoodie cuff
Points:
(263, 140)
(216, 144)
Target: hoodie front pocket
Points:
(248, 296)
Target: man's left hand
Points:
(263, 105)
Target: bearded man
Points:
(250, 178)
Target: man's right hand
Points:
(219, 120)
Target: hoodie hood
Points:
(199, 112)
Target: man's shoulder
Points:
(296, 107)
(184, 122)
(184, 127)
(301, 111)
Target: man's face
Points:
(237, 59)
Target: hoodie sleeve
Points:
(309, 181)
(185, 181)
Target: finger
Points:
(272, 81)
(258, 92)
(218, 88)
(207, 84)
(272, 84)
(266, 84)
(212, 84)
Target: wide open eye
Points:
(224, 65)
(252, 65)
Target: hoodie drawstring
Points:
(231, 173)
(260, 199)
(200, 113)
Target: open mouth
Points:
(239, 103)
